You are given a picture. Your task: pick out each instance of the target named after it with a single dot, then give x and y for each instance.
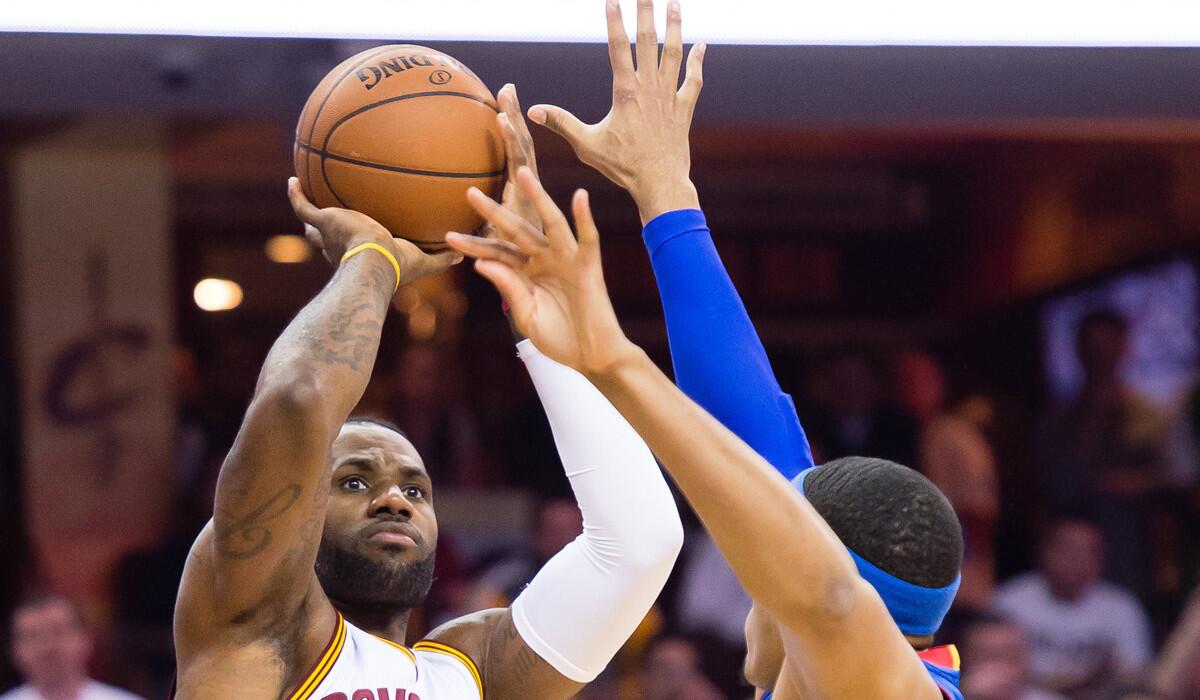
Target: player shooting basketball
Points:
(324, 533)
(849, 584)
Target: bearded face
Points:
(354, 576)
(380, 535)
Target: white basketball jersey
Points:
(358, 665)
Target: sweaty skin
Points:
(782, 551)
(252, 617)
(642, 146)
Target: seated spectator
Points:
(955, 455)
(426, 394)
(50, 648)
(853, 419)
(1085, 635)
(672, 672)
(1107, 450)
(1137, 692)
(557, 523)
(996, 663)
(711, 599)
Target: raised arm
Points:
(578, 611)
(253, 563)
(642, 146)
(782, 551)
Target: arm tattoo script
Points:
(508, 654)
(245, 536)
(352, 332)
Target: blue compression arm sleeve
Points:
(719, 360)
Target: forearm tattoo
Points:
(351, 332)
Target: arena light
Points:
(288, 249)
(213, 294)
(850, 22)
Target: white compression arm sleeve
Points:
(591, 596)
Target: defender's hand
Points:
(553, 283)
(518, 149)
(333, 231)
(519, 152)
(642, 145)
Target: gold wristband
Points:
(378, 249)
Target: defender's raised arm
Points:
(783, 552)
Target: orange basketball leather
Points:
(399, 133)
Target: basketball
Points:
(400, 133)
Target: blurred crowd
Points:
(1079, 527)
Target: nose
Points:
(391, 501)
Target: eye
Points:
(355, 483)
(414, 492)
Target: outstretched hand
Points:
(333, 231)
(642, 144)
(553, 283)
(519, 152)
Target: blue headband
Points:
(916, 610)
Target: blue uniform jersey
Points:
(943, 666)
(720, 362)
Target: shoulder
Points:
(1116, 598)
(943, 665)
(447, 669)
(99, 691)
(489, 645)
(463, 643)
(281, 651)
(471, 633)
(469, 636)
(1020, 590)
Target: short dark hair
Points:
(380, 422)
(1057, 522)
(891, 516)
(44, 599)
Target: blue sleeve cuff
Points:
(672, 224)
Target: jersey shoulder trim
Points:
(324, 664)
(944, 656)
(439, 648)
(408, 652)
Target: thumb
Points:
(558, 120)
(440, 262)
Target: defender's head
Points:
(380, 533)
(904, 536)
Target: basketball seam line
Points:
(395, 168)
(373, 105)
(313, 132)
(317, 115)
(397, 98)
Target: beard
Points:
(352, 577)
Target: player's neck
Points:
(387, 621)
